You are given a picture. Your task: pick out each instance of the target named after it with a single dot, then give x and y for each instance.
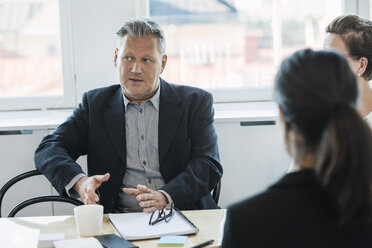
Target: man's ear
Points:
(116, 56)
(163, 62)
(363, 63)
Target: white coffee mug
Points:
(89, 219)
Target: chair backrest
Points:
(216, 192)
(33, 200)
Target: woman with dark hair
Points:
(352, 36)
(327, 201)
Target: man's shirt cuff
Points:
(169, 198)
(70, 192)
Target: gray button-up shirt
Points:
(141, 127)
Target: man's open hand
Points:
(86, 187)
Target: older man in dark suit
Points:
(149, 143)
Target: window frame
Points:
(359, 7)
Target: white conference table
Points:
(209, 222)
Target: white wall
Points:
(16, 153)
(253, 157)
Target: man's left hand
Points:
(150, 200)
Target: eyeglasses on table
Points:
(165, 214)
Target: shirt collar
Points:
(155, 99)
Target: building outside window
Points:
(30, 49)
(237, 44)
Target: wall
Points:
(253, 157)
(16, 155)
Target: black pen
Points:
(203, 244)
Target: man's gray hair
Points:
(142, 28)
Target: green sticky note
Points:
(165, 241)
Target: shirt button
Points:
(144, 162)
(149, 180)
(142, 137)
(140, 110)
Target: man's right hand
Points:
(86, 187)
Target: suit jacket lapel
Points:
(115, 123)
(170, 113)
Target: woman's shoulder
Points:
(291, 191)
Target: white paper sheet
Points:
(13, 235)
(78, 243)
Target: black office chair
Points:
(216, 192)
(39, 199)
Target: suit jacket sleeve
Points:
(203, 169)
(56, 155)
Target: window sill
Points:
(50, 119)
(32, 120)
(247, 111)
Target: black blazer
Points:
(188, 154)
(292, 213)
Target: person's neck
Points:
(139, 101)
(365, 97)
(308, 161)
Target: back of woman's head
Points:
(317, 93)
(356, 33)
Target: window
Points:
(31, 71)
(30, 57)
(230, 47)
(234, 45)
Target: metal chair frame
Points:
(216, 192)
(55, 198)
(33, 200)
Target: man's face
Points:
(139, 63)
(334, 41)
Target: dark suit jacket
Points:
(293, 213)
(188, 154)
